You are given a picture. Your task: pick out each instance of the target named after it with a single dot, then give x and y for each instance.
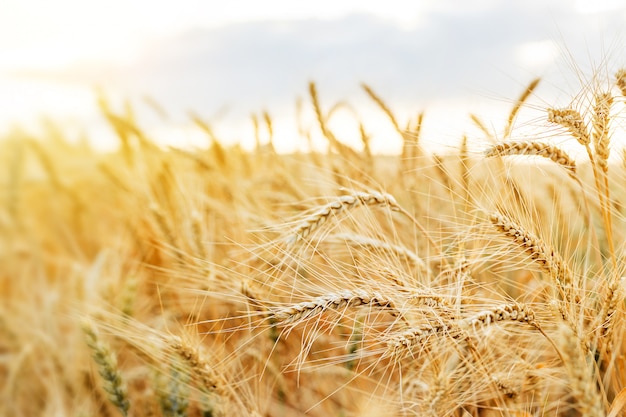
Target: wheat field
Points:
(158, 281)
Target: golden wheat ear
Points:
(573, 121)
(339, 205)
(518, 105)
(620, 80)
(333, 302)
(531, 148)
(581, 373)
(544, 256)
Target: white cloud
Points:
(187, 57)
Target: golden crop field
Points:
(161, 281)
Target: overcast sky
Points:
(225, 60)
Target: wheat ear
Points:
(543, 255)
(415, 336)
(614, 294)
(333, 301)
(582, 381)
(173, 393)
(573, 121)
(620, 81)
(107, 367)
(199, 366)
(505, 312)
(518, 105)
(344, 150)
(312, 222)
(383, 106)
(483, 128)
(343, 203)
(601, 141)
(545, 150)
(405, 341)
(600, 123)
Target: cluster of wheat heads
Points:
(507, 302)
(166, 282)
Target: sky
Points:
(227, 60)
